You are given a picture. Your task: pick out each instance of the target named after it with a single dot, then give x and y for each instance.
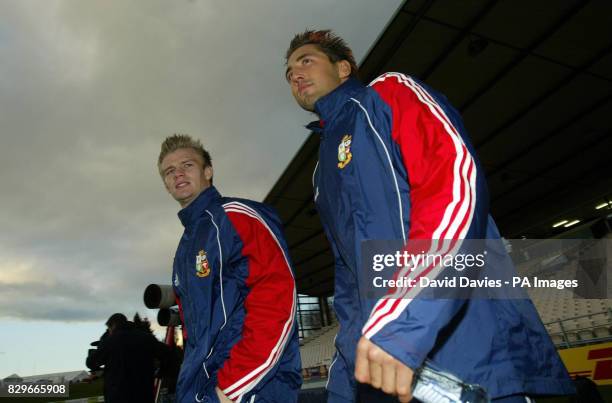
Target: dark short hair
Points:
(116, 319)
(328, 42)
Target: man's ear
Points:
(208, 173)
(344, 69)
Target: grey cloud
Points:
(39, 300)
(88, 90)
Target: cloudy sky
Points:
(88, 90)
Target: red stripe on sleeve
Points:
(428, 154)
(269, 305)
(441, 175)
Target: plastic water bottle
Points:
(431, 385)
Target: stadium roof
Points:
(533, 81)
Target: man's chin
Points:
(305, 103)
(307, 106)
(184, 200)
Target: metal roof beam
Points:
(312, 141)
(309, 258)
(553, 133)
(513, 47)
(318, 284)
(416, 17)
(304, 240)
(553, 192)
(315, 271)
(560, 161)
(457, 40)
(562, 83)
(523, 54)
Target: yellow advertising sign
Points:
(594, 362)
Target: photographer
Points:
(128, 354)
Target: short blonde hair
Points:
(178, 141)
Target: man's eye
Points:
(306, 60)
(169, 172)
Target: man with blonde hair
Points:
(234, 286)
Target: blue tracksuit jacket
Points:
(395, 163)
(237, 297)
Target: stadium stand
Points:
(570, 322)
(573, 322)
(318, 350)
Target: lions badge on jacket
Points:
(202, 266)
(344, 151)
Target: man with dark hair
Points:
(128, 355)
(333, 46)
(235, 288)
(395, 162)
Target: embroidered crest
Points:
(202, 267)
(344, 151)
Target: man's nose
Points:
(179, 172)
(297, 76)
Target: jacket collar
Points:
(328, 107)
(190, 214)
